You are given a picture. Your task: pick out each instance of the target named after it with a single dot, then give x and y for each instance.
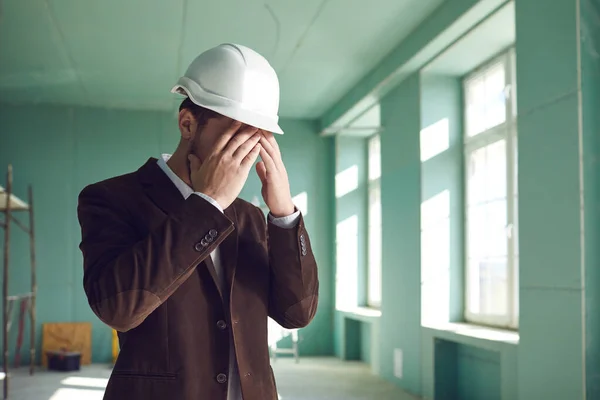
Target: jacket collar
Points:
(159, 187)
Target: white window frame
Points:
(373, 184)
(508, 132)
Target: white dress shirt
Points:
(234, 391)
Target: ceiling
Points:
(128, 53)
(482, 43)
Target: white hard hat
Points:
(234, 81)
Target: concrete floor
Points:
(311, 379)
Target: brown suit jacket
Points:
(144, 249)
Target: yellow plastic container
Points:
(115, 346)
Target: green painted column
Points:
(558, 199)
(590, 124)
(350, 214)
(401, 204)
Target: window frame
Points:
(506, 131)
(373, 185)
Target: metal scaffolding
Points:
(9, 206)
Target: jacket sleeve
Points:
(294, 281)
(126, 276)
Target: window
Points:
(374, 227)
(490, 143)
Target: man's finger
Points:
(248, 161)
(240, 138)
(273, 154)
(271, 139)
(261, 171)
(246, 147)
(226, 136)
(268, 160)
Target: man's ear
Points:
(187, 124)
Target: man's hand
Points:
(223, 174)
(272, 174)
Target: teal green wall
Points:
(590, 65)
(559, 222)
(558, 232)
(466, 372)
(400, 203)
(366, 336)
(478, 374)
(59, 150)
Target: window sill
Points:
(475, 335)
(364, 314)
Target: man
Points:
(185, 271)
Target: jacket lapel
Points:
(210, 266)
(167, 197)
(228, 250)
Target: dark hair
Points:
(200, 113)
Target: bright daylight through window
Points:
(491, 194)
(374, 266)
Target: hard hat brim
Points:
(226, 107)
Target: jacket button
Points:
(221, 324)
(198, 247)
(221, 378)
(213, 233)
